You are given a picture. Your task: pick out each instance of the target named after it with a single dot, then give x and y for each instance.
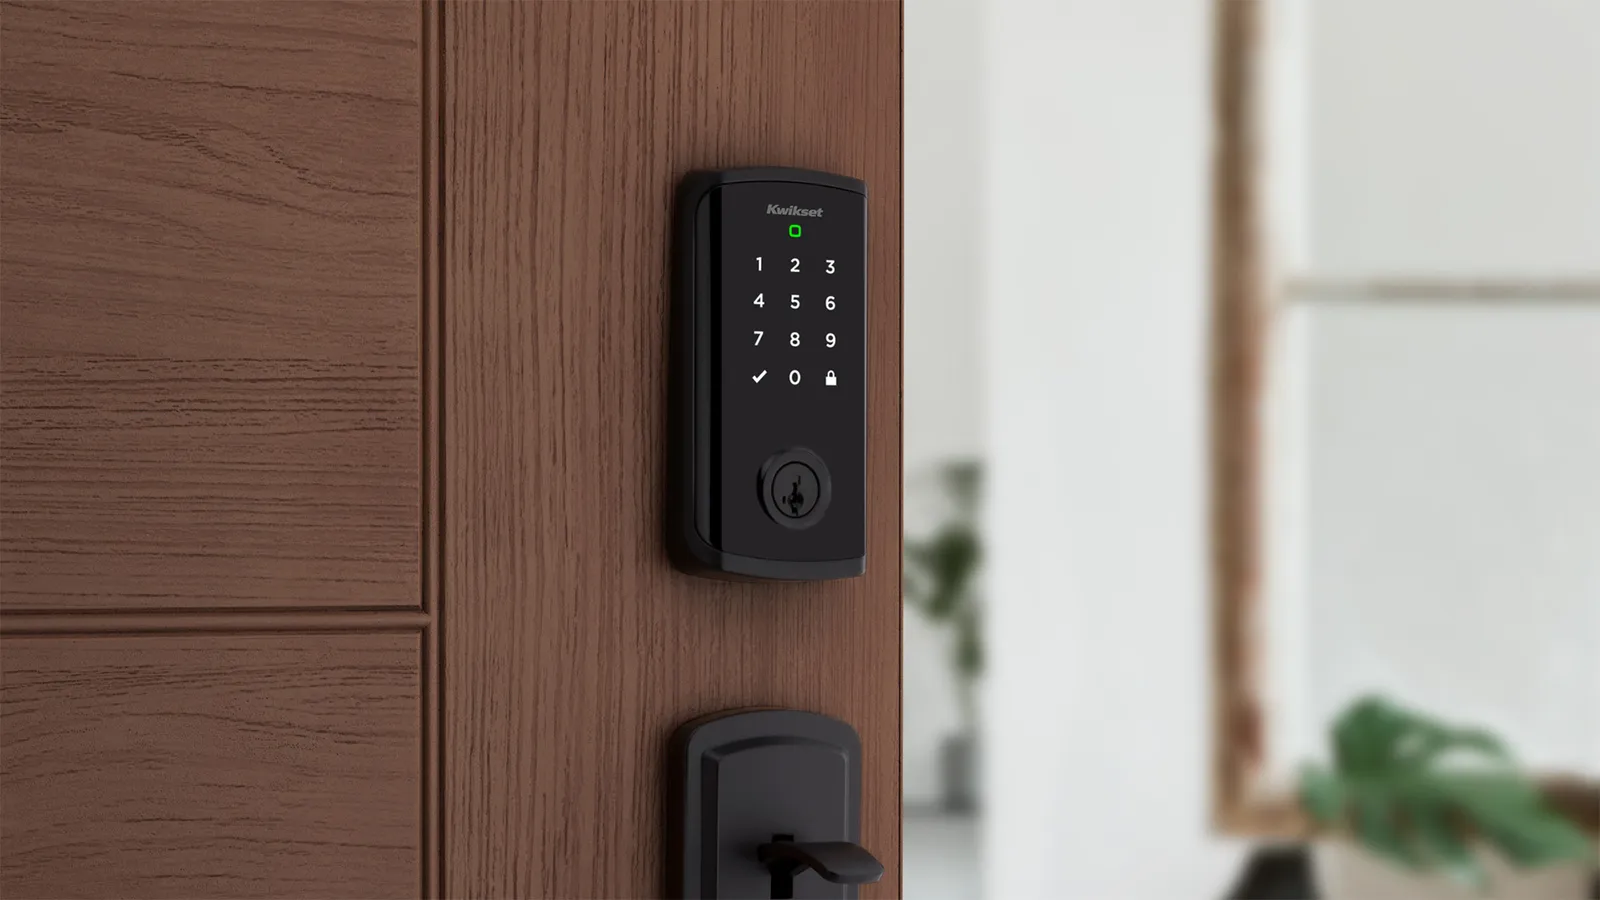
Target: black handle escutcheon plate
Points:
(767, 803)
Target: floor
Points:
(941, 856)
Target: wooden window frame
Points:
(1243, 301)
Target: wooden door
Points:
(333, 383)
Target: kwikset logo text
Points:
(774, 209)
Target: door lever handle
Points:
(763, 795)
(840, 862)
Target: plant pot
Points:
(1346, 871)
(958, 773)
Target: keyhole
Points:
(794, 496)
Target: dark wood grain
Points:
(210, 765)
(223, 408)
(210, 291)
(432, 446)
(570, 647)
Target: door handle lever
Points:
(746, 785)
(840, 862)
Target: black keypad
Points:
(791, 328)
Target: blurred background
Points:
(1402, 281)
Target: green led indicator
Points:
(794, 230)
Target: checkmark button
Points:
(757, 378)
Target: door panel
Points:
(190, 765)
(210, 284)
(332, 438)
(571, 648)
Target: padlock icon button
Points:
(830, 379)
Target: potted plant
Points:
(1417, 808)
(941, 584)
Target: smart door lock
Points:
(768, 478)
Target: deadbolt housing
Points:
(768, 474)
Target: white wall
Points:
(944, 374)
(1097, 134)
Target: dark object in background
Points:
(940, 583)
(1283, 872)
(1276, 873)
(958, 772)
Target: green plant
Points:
(1419, 793)
(941, 578)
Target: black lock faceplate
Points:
(770, 366)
